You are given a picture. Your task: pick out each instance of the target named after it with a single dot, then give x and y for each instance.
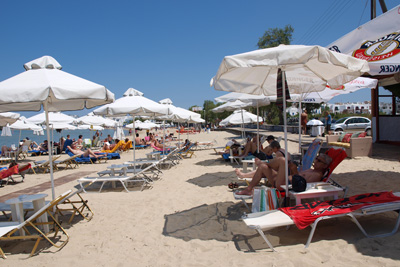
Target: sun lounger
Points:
(77, 206)
(43, 165)
(115, 148)
(144, 176)
(310, 215)
(8, 230)
(16, 169)
(69, 162)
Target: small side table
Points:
(17, 209)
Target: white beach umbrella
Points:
(165, 101)
(96, 121)
(329, 93)
(230, 106)
(133, 103)
(45, 85)
(240, 117)
(90, 127)
(315, 122)
(252, 100)
(8, 118)
(6, 131)
(54, 117)
(22, 124)
(303, 68)
(143, 125)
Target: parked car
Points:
(352, 124)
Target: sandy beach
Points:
(190, 218)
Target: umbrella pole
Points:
(16, 154)
(134, 144)
(179, 135)
(243, 132)
(285, 135)
(50, 149)
(163, 147)
(258, 131)
(300, 111)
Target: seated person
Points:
(187, 144)
(79, 142)
(127, 144)
(158, 144)
(43, 146)
(139, 141)
(86, 153)
(251, 149)
(108, 146)
(67, 142)
(231, 144)
(274, 171)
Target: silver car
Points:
(352, 124)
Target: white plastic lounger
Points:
(261, 221)
(122, 179)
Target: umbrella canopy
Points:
(254, 100)
(61, 126)
(90, 127)
(59, 90)
(23, 124)
(6, 131)
(8, 118)
(147, 125)
(307, 69)
(54, 117)
(376, 41)
(229, 106)
(133, 103)
(96, 121)
(179, 114)
(304, 69)
(240, 117)
(45, 85)
(329, 93)
(315, 122)
(165, 101)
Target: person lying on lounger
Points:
(274, 171)
(232, 144)
(85, 153)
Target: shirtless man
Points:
(275, 172)
(79, 142)
(86, 153)
(138, 140)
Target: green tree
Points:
(272, 38)
(276, 36)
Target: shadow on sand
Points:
(222, 222)
(214, 179)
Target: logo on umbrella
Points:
(380, 49)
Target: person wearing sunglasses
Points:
(274, 171)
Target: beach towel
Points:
(305, 214)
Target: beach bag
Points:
(299, 184)
(265, 198)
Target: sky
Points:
(165, 49)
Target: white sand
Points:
(190, 218)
